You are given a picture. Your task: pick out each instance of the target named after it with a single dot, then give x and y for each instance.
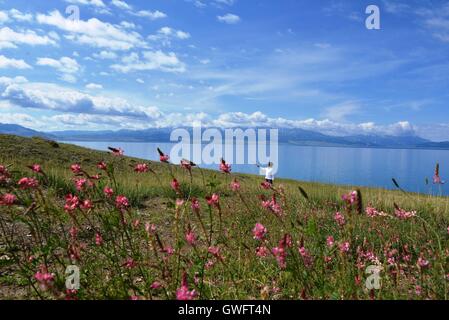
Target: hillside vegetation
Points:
(149, 230)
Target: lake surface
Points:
(335, 165)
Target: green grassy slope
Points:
(241, 274)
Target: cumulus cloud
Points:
(152, 15)
(150, 60)
(10, 38)
(229, 18)
(94, 32)
(64, 64)
(12, 63)
(166, 34)
(105, 55)
(61, 99)
(121, 4)
(94, 86)
(94, 3)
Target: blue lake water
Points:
(335, 165)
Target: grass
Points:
(413, 253)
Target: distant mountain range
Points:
(286, 135)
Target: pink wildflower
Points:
(98, 239)
(344, 247)
(195, 205)
(183, 292)
(340, 219)
(191, 237)
(71, 203)
(235, 185)
(102, 165)
(36, 168)
(175, 185)
(76, 168)
(225, 167)
(262, 252)
(7, 199)
(141, 168)
(27, 183)
(86, 204)
(330, 241)
(121, 202)
(259, 231)
(213, 200)
(108, 192)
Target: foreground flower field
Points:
(145, 230)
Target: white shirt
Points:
(268, 173)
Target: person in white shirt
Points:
(268, 171)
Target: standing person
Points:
(269, 175)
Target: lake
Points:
(335, 165)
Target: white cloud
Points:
(166, 34)
(13, 63)
(341, 111)
(94, 32)
(140, 81)
(94, 3)
(10, 38)
(121, 4)
(151, 60)
(58, 98)
(229, 18)
(128, 25)
(3, 17)
(64, 64)
(19, 16)
(94, 86)
(105, 55)
(152, 15)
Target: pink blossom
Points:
(235, 185)
(102, 165)
(86, 204)
(36, 168)
(225, 167)
(121, 202)
(73, 232)
(7, 199)
(129, 263)
(98, 239)
(156, 285)
(423, 263)
(179, 203)
(183, 292)
(162, 156)
(44, 278)
(191, 237)
(340, 219)
(259, 231)
(280, 254)
(76, 168)
(141, 168)
(344, 247)
(118, 152)
(262, 252)
(306, 257)
(330, 241)
(27, 183)
(150, 228)
(215, 251)
(186, 164)
(175, 185)
(404, 215)
(108, 192)
(195, 205)
(4, 174)
(350, 198)
(373, 212)
(213, 200)
(71, 203)
(80, 184)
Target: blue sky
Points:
(281, 63)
